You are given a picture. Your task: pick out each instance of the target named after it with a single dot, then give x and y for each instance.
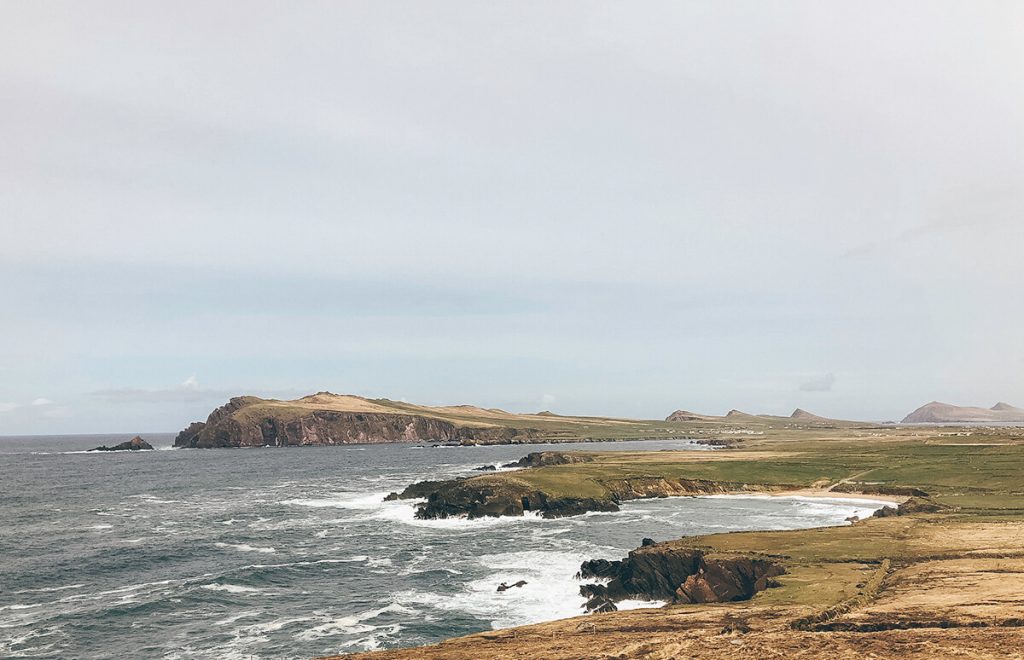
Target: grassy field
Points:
(921, 585)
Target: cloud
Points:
(188, 391)
(8, 406)
(819, 384)
(41, 402)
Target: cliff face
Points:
(676, 575)
(227, 428)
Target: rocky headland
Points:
(510, 494)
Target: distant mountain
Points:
(937, 412)
(738, 416)
(687, 416)
(802, 414)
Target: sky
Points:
(588, 207)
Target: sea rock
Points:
(505, 587)
(135, 444)
(486, 468)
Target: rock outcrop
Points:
(674, 574)
(913, 505)
(545, 458)
(135, 444)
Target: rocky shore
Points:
(662, 572)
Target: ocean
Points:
(291, 553)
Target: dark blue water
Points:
(290, 553)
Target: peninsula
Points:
(939, 573)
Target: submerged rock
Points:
(135, 444)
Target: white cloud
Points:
(820, 384)
(41, 402)
(191, 383)
(8, 406)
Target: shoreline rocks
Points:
(677, 575)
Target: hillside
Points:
(945, 413)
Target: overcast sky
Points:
(605, 208)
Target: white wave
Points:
(245, 547)
(346, 560)
(405, 512)
(18, 606)
(100, 527)
(49, 589)
(352, 624)
(231, 588)
(153, 499)
(551, 592)
(640, 604)
(360, 501)
(235, 617)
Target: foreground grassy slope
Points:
(922, 585)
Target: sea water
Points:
(291, 553)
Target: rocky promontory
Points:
(135, 444)
(674, 574)
(564, 491)
(328, 419)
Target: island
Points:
(135, 444)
